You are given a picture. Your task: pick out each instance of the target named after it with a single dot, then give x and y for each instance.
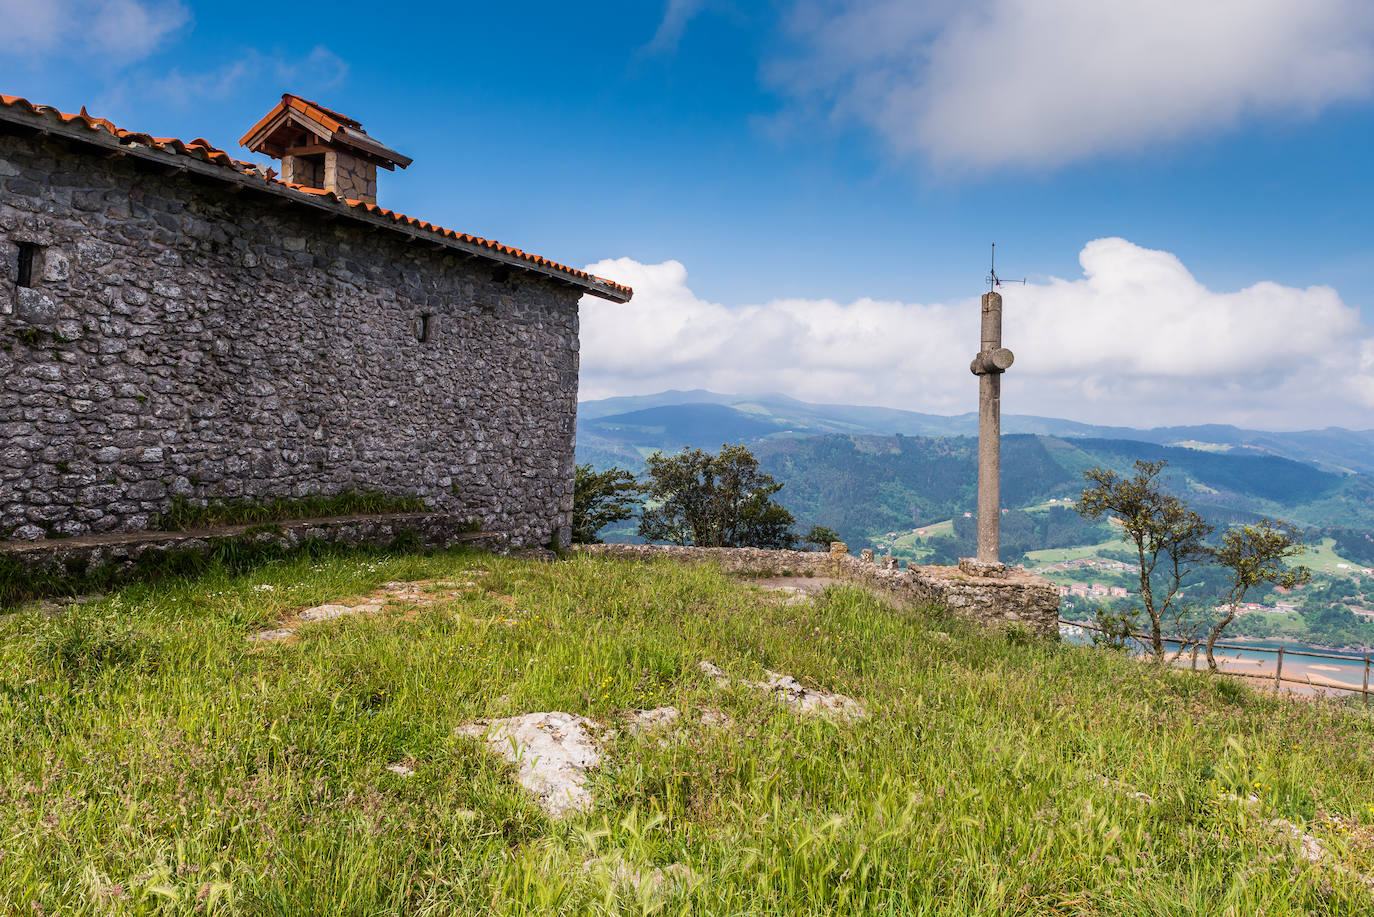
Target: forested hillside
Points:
(906, 494)
(867, 485)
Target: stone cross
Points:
(992, 360)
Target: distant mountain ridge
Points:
(624, 430)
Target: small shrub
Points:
(1231, 690)
(83, 646)
(1018, 634)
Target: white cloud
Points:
(988, 83)
(676, 15)
(124, 30)
(1136, 340)
(319, 70)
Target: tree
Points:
(1167, 536)
(821, 537)
(1253, 555)
(713, 501)
(600, 498)
(1114, 626)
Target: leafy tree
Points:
(1114, 626)
(821, 536)
(1167, 537)
(600, 498)
(716, 501)
(1254, 555)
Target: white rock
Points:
(790, 595)
(794, 693)
(270, 635)
(643, 879)
(553, 752)
(1309, 847)
(325, 612)
(810, 700)
(714, 672)
(642, 720)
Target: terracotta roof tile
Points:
(204, 151)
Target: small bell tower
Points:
(320, 148)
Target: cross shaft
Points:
(989, 364)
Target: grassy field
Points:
(1322, 558)
(913, 544)
(154, 761)
(1062, 555)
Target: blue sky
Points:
(841, 154)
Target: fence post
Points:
(1366, 679)
(1194, 657)
(1278, 672)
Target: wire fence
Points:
(1276, 677)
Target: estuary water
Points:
(1301, 674)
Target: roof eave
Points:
(177, 162)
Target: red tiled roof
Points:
(328, 125)
(330, 113)
(203, 151)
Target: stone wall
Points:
(182, 340)
(304, 170)
(1017, 597)
(350, 177)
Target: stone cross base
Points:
(974, 567)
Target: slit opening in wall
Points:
(424, 328)
(28, 256)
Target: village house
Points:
(177, 323)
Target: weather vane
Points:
(992, 280)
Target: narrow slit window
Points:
(28, 253)
(424, 327)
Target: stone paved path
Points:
(417, 594)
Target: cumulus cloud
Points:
(1136, 340)
(978, 84)
(124, 30)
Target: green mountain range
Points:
(629, 428)
(868, 472)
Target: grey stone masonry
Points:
(181, 339)
(350, 177)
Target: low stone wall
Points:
(741, 561)
(1017, 597)
(91, 552)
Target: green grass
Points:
(185, 514)
(1322, 558)
(914, 544)
(152, 761)
(20, 583)
(1079, 552)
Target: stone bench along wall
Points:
(1015, 598)
(92, 553)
